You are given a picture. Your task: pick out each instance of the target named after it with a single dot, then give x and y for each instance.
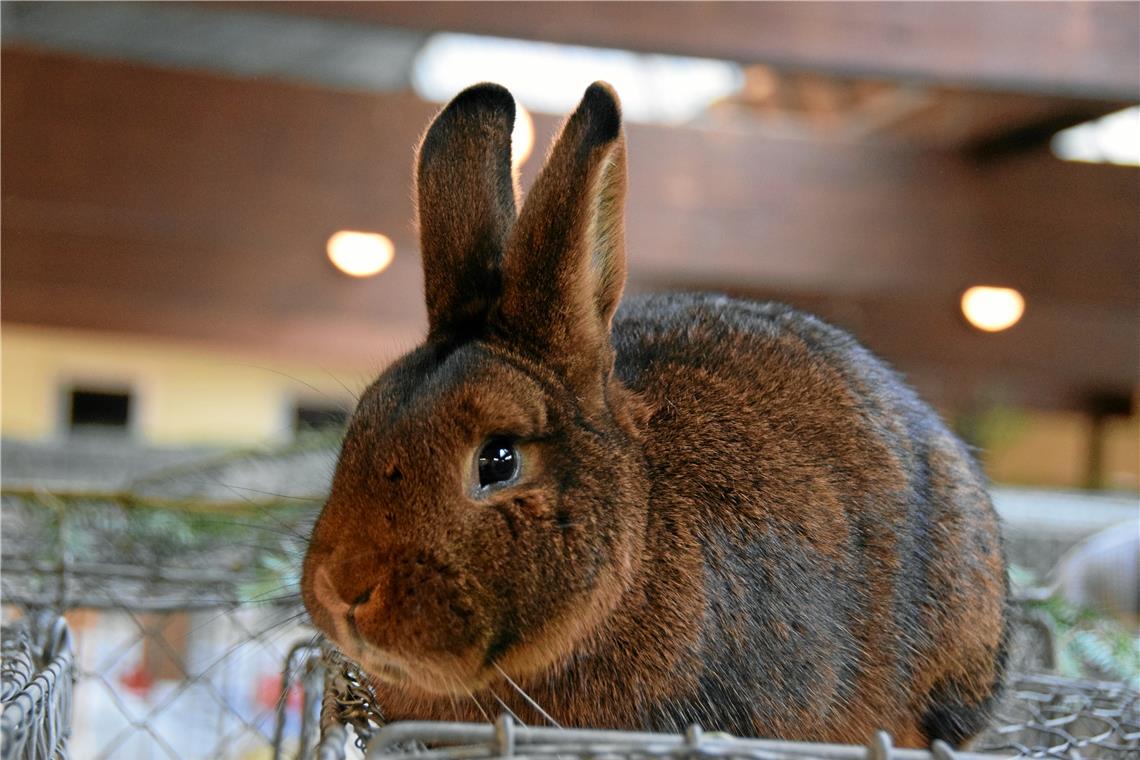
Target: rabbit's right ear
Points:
(466, 206)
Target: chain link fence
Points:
(180, 621)
(1050, 716)
(188, 640)
(180, 592)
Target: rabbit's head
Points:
(488, 506)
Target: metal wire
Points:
(1041, 717)
(37, 674)
(175, 621)
(1050, 717)
(506, 738)
(137, 569)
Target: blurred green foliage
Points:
(1086, 643)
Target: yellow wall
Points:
(1047, 449)
(187, 394)
(184, 394)
(1052, 449)
(1122, 453)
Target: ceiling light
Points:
(1112, 139)
(992, 309)
(360, 254)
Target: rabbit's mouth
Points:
(382, 669)
(448, 674)
(437, 679)
(442, 679)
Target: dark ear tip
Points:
(484, 104)
(485, 97)
(603, 106)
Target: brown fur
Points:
(727, 513)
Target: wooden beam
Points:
(1065, 48)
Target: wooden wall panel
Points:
(197, 206)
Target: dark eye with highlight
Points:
(498, 461)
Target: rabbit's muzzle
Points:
(409, 618)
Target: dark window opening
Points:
(99, 411)
(310, 417)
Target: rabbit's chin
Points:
(447, 677)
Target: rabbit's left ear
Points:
(564, 267)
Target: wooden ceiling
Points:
(138, 199)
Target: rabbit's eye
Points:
(498, 461)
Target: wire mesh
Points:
(506, 738)
(1041, 716)
(1048, 716)
(36, 677)
(180, 591)
(178, 616)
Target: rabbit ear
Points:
(564, 269)
(466, 206)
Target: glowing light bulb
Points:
(522, 137)
(992, 309)
(360, 254)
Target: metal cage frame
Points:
(37, 675)
(1042, 716)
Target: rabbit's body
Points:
(839, 540)
(698, 510)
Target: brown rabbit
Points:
(697, 509)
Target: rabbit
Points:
(689, 509)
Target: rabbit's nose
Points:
(331, 607)
(343, 581)
(357, 603)
(342, 605)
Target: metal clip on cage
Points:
(36, 680)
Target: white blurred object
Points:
(1111, 139)
(992, 309)
(360, 254)
(1103, 573)
(551, 78)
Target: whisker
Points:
(290, 497)
(265, 598)
(359, 556)
(486, 717)
(503, 705)
(266, 512)
(297, 680)
(451, 698)
(527, 697)
(255, 527)
(354, 395)
(338, 401)
(290, 601)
